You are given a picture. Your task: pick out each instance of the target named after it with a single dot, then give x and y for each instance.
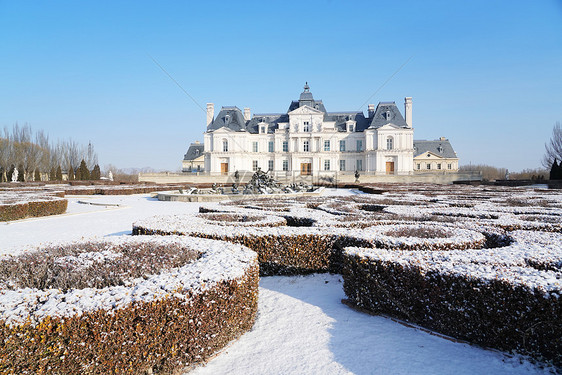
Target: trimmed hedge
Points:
(164, 334)
(292, 251)
(285, 254)
(37, 208)
(494, 313)
(83, 189)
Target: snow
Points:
(302, 327)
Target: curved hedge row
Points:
(509, 299)
(155, 323)
(290, 250)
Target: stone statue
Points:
(110, 176)
(15, 175)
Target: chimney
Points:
(408, 110)
(210, 113)
(247, 114)
(371, 110)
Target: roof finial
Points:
(306, 87)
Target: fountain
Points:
(261, 184)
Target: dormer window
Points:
(197, 152)
(262, 129)
(351, 128)
(226, 119)
(440, 149)
(388, 115)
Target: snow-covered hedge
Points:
(16, 205)
(239, 219)
(507, 298)
(124, 305)
(305, 249)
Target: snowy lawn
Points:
(302, 326)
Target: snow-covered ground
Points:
(302, 326)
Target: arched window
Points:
(224, 145)
(389, 143)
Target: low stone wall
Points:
(178, 197)
(323, 179)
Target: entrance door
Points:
(389, 167)
(224, 168)
(306, 169)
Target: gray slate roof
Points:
(441, 147)
(194, 151)
(231, 117)
(236, 120)
(394, 116)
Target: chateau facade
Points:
(308, 140)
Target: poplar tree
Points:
(58, 174)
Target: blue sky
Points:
(485, 74)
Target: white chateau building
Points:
(308, 140)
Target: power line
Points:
(176, 82)
(385, 82)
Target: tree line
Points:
(553, 153)
(36, 158)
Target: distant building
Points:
(309, 140)
(193, 160)
(435, 156)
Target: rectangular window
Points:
(342, 165)
(359, 165)
(285, 146)
(326, 145)
(359, 145)
(255, 146)
(428, 166)
(439, 166)
(270, 146)
(342, 145)
(225, 146)
(270, 165)
(449, 166)
(419, 166)
(306, 126)
(285, 165)
(389, 143)
(326, 165)
(305, 146)
(254, 165)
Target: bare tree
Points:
(5, 157)
(35, 155)
(42, 141)
(91, 158)
(553, 148)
